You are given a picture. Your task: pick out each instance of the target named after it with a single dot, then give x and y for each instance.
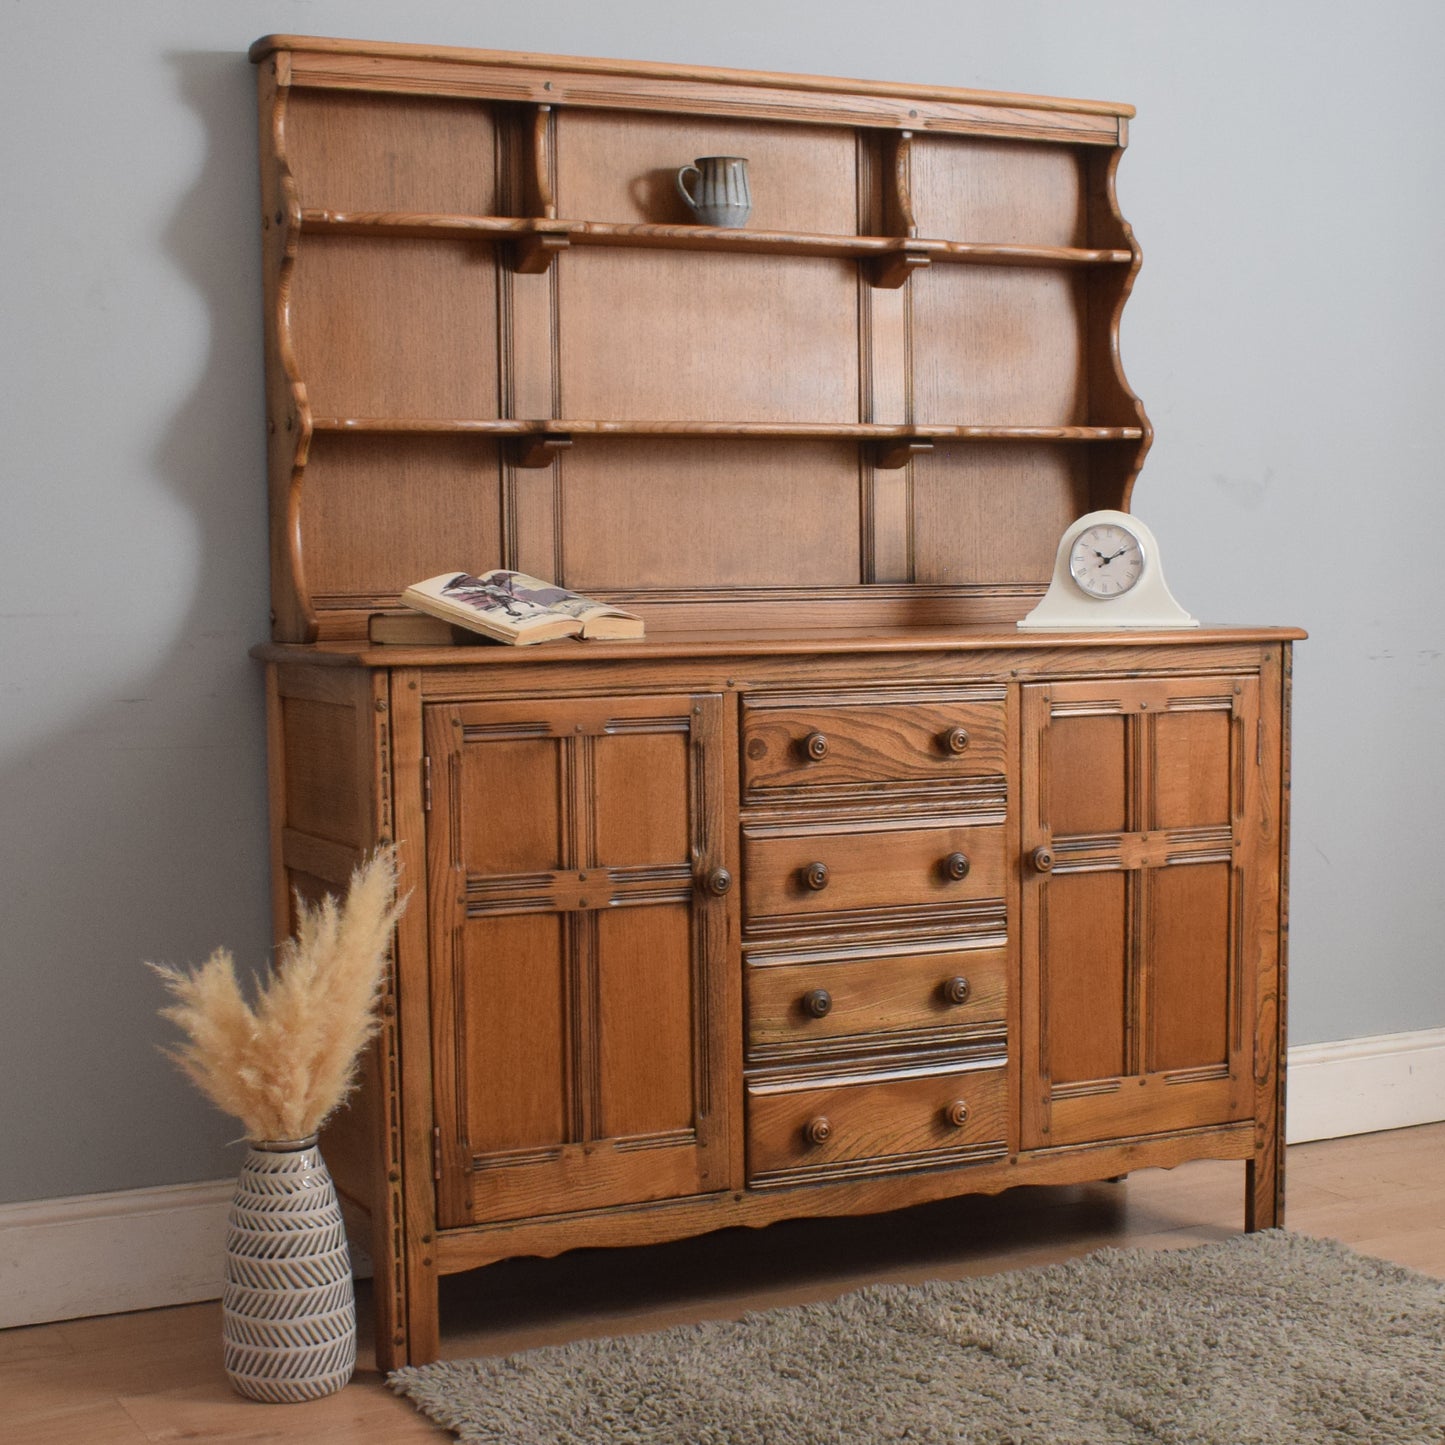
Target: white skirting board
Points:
(99, 1254)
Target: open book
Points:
(513, 607)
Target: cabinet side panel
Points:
(1084, 976)
(645, 1012)
(1188, 966)
(320, 769)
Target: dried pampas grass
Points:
(282, 1066)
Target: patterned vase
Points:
(288, 1314)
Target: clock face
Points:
(1106, 560)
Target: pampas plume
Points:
(282, 1065)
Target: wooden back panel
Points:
(496, 336)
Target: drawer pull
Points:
(957, 1113)
(955, 740)
(815, 876)
(815, 747)
(956, 990)
(719, 881)
(1043, 859)
(817, 1002)
(956, 866)
(818, 1131)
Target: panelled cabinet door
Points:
(1140, 905)
(579, 931)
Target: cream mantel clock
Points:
(1107, 574)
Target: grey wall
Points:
(1284, 176)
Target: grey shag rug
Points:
(1264, 1339)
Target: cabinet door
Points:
(579, 936)
(1140, 903)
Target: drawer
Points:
(802, 744)
(796, 1002)
(879, 1124)
(791, 869)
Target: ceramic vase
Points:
(288, 1314)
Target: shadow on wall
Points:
(139, 830)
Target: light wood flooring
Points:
(156, 1376)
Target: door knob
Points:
(1043, 859)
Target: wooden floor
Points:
(130, 1379)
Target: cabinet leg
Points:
(423, 1308)
(1264, 1190)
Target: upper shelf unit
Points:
(478, 266)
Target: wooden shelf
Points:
(561, 234)
(859, 431)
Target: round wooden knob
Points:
(956, 990)
(817, 1002)
(957, 1113)
(815, 876)
(1043, 859)
(955, 740)
(956, 866)
(815, 746)
(719, 881)
(818, 1131)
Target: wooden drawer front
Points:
(880, 1124)
(794, 1003)
(796, 871)
(808, 745)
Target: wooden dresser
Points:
(837, 893)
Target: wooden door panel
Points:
(1192, 778)
(510, 792)
(1085, 778)
(578, 991)
(645, 1012)
(638, 778)
(511, 988)
(1138, 959)
(1189, 949)
(1085, 935)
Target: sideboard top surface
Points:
(756, 642)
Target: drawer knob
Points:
(957, 1113)
(956, 990)
(815, 876)
(956, 866)
(1043, 859)
(815, 747)
(817, 1002)
(818, 1131)
(719, 881)
(955, 740)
